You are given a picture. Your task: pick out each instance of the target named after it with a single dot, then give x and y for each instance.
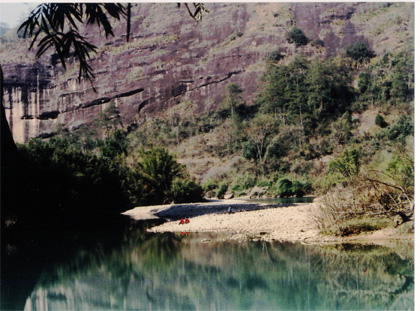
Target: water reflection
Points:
(174, 272)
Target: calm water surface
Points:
(122, 267)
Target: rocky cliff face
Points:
(171, 59)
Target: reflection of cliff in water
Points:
(166, 271)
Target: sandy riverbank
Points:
(255, 221)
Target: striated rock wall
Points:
(171, 59)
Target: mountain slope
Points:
(171, 59)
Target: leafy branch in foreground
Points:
(57, 25)
(199, 9)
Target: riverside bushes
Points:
(57, 185)
(186, 190)
(287, 188)
(57, 179)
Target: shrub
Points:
(319, 42)
(357, 226)
(325, 147)
(371, 203)
(186, 191)
(278, 147)
(236, 34)
(348, 164)
(274, 56)
(250, 150)
(309, 153)
(307, 187)
(221, 191)
(401, 168)
(264, 183)
(295, 35)
(359, 52)
(401, 129)
(379, 120)
(243, 182)
(210, 185)
(284, 187)
(297, 189)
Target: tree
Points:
(389, 79)
(110, 119)
(273, 99)
(233, 102)
(321, 81)
(329, 88)
(233, 98)
(274, 57)
(401, 129)
(114, 145)
(258, 131)
(308, 94)
(159, 169)
(363, 82)
(57, 25)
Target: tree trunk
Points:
(9, 152)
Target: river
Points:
(117, 265)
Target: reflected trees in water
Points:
(169, 271)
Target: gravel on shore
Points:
(242, 220)
(245, 220)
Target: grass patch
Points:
(356, 226)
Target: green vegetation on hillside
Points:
(390, 80)
(308, 131)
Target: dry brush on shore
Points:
(370, 201)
